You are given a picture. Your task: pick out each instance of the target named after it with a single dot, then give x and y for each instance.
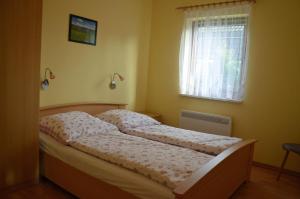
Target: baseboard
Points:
(274, 168)
(19, 186)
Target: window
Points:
(213, 53)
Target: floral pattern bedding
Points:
(203, 142)
(68, 126)
(164, 163)
(125, 119)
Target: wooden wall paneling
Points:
(2, 94)
(21, 45)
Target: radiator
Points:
(204, 122)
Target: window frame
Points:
(243, 77)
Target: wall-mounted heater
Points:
(204, 122)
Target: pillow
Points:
(66, 127)
(125, 119)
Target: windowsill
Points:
(215, 99)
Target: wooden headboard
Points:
(91, 108)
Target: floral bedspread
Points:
(203, 142)
(164, 163)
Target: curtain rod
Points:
(215, 4)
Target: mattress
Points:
(131, 182)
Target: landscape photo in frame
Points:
(82, 30)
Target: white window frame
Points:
(243, 65)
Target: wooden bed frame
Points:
(219, 178)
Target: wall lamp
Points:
(113, 83)
(45, 83)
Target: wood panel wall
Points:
(20, 41)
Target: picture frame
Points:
(82, 30)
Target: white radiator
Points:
(204, 122)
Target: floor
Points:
(263, 185)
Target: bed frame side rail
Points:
(220, 177)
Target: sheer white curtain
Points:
(213, 52)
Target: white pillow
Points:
(125, 119)
(66, 127)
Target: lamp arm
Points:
(113, 83)
(118, 75)
(47, 70)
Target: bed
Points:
(225, 172)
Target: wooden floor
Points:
(263, 184)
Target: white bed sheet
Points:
(122, 178)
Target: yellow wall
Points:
(83, 71)
(269, 113)
(271, 110)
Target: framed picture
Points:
(82, 30)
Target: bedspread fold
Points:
(203, 142)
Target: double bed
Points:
(87, 176)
